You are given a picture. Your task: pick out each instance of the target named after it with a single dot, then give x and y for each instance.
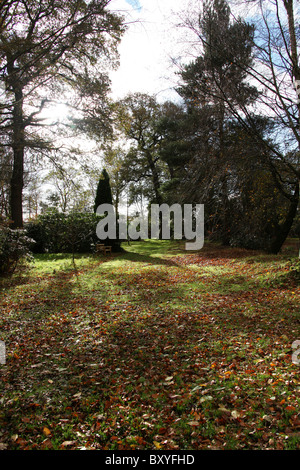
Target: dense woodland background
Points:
(230, 141)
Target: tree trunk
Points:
(226, 234)
(18, 145)
(155, 178)
(285, 228)
(226, 226)
(289, 6)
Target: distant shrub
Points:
(56, 232)
(14, 249)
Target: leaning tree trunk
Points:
(285, 227)
(18, 144)
(289, 6)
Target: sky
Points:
(147, 46)
(151, 40)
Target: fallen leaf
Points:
(46, 431)
(68, 443)
(206, 398)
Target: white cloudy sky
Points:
(150, 41)
(145, 51)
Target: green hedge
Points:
(56, 232)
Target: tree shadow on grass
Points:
(148, 259)
(71, 367)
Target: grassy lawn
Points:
(154, 348)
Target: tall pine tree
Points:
(213, 85)
(217, 84)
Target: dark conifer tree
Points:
(103, 195)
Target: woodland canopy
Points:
(230, 141)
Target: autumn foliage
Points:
(155, 348)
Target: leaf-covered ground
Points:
(155, 348)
